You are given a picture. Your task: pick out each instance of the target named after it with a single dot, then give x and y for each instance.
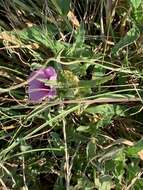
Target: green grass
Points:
(90, 135)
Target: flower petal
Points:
(51, 73)
(38, 95)
(52, 93)
(37, 89)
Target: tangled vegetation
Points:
(89, 135)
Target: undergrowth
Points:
(90, 135)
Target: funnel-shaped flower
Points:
(38, 89)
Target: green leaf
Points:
(62, 6)
(82, 128)
(37, 34)
(131, 36)
(139, 184)
(24, 147)
(84, 183)
(110, 154)
(138, 15)
(79, 37)
(120, 165)
(119, 110)
(107, 109)
(102, 80)
(133, 151)
(91, 149)
(106, 112)
(42, 36)
(136, 3)
(106, 183)
(102, 109)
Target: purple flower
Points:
(37, 88)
